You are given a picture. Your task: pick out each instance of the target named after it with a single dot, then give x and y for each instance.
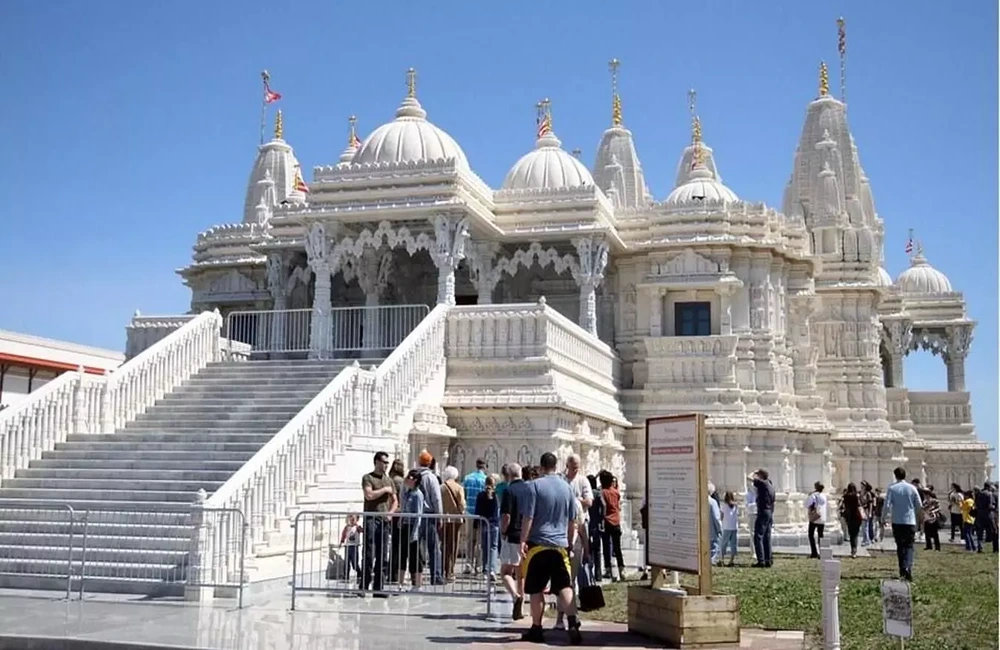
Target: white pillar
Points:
(831, 597)
(592, 253)
(655, 312)
(450, 236)
(322, 263)
(276, 285)
(483, 271)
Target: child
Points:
(488, 507)
(730, 524)
(351, 538)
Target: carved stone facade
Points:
(782, 327)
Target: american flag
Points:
(909, 246)
(544, 126)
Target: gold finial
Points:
(695, 127)
(616, 102)
(824, 80)
(279, 125)
(411, 83)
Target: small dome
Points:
(884, 279)
(547, 167)
(409, 138)
(701, 186)
(923, 278)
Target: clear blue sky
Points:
(128, 127)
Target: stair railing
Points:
(411, 365)
(77, 403)
(357, 402)
(139, 383)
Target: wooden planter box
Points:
(683, 621)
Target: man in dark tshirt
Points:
(380, 500)
(765, 517)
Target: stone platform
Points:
(411, 621)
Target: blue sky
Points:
(130, 127)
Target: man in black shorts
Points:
(548, 527)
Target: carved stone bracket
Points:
(593, 255)
(897, 333)
(450, 236)
(959, 340)
(384, 235)
(484, 271)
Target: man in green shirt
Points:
(380, 500)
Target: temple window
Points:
(692, 319)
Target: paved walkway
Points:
(319, 621)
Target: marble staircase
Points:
(135, 487)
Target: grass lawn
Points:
(954, 599)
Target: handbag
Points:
(814, 515)
(591, 594)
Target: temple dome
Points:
(921, 277)
(547, 167)
(883, 278)
(701, 185)
(409, 138)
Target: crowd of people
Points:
(911, 509)
(533, 529)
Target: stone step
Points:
(45, 575)
(138, 498)
(154, 466)
(175, 400)
(111, 482)
(266, 365)
(287, 373)
(196, 446)
(157, 436)
(219, 415)
(187, 428)
(48, 540)
(130, 562)
(143, 458)
(257, 384)
(223, 392)
(13, 527)
(47, 509)
(180, 474)
(173, 569)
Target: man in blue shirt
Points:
(548, 529)
(473, 484)
(902, 501)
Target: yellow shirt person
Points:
(966, 509)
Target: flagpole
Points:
(265, 77)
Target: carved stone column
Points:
(593, 257)
(655, 312)
(726, 289)
(373, 269)
(277, 279)
(450, 236)
(959, 340)
(483, 270)
(320, 253)
(760, 271)
(898, 336)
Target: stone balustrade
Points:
(940, 408)
(691, 360)
(529, 330)
(143, 332)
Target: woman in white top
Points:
(816, 508)
(730, 524)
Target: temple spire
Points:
(699, 153)
(616, 101)
(279, 125)
(411, 83)
(824, 80)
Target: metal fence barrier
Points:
(383, 555)
(351, 331)
(36, 545)
(119, 550)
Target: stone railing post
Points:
(79, 397)
(107, 416)
(831, 597)
(200, 554)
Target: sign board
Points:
(677, 496)
(897, 609)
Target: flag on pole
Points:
(355, 141)
(544, 125)
(270, 96)
(300, 185)
(909, 243)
